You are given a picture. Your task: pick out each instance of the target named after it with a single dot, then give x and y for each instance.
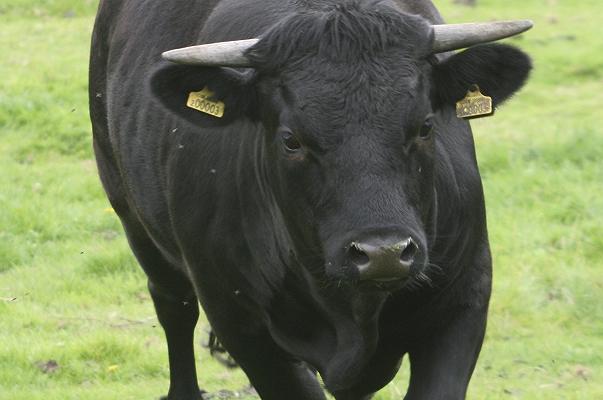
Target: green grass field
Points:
(76, 321)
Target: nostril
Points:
(409, 252)
(357, 256)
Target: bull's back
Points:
(131, 134)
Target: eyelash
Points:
(291, 144)
(427, 128)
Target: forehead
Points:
(329, 99)
(385, 79)
(342, 34)
(357, 60)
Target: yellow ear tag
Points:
(200, 101)
(474, 105)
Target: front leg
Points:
(273, 374)
(178, 318)
(441, 365)
(240, 328)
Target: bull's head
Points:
(351, 101)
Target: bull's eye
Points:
(290, 143)
(427, 128)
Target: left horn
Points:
(446, 38)
(221, 54)
(458, 36)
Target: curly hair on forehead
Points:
(342, 32)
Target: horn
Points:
(220, 54)
(458, 36)
(446, 38)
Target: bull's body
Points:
(204, 227)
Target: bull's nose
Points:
(381, 260)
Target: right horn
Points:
(220, 54)
(457, 36)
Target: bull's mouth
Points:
(382, 285)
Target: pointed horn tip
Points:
(168, 55)
(521, 24)
(175, 56)
(517, 26)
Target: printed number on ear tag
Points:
(200, 101)
(474, 105)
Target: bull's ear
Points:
(171, 85)
(499, 70)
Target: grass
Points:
(71, 292)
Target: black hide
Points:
(342, 135)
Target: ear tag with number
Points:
(474, 105)
(200, 101)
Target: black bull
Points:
(332, 220)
